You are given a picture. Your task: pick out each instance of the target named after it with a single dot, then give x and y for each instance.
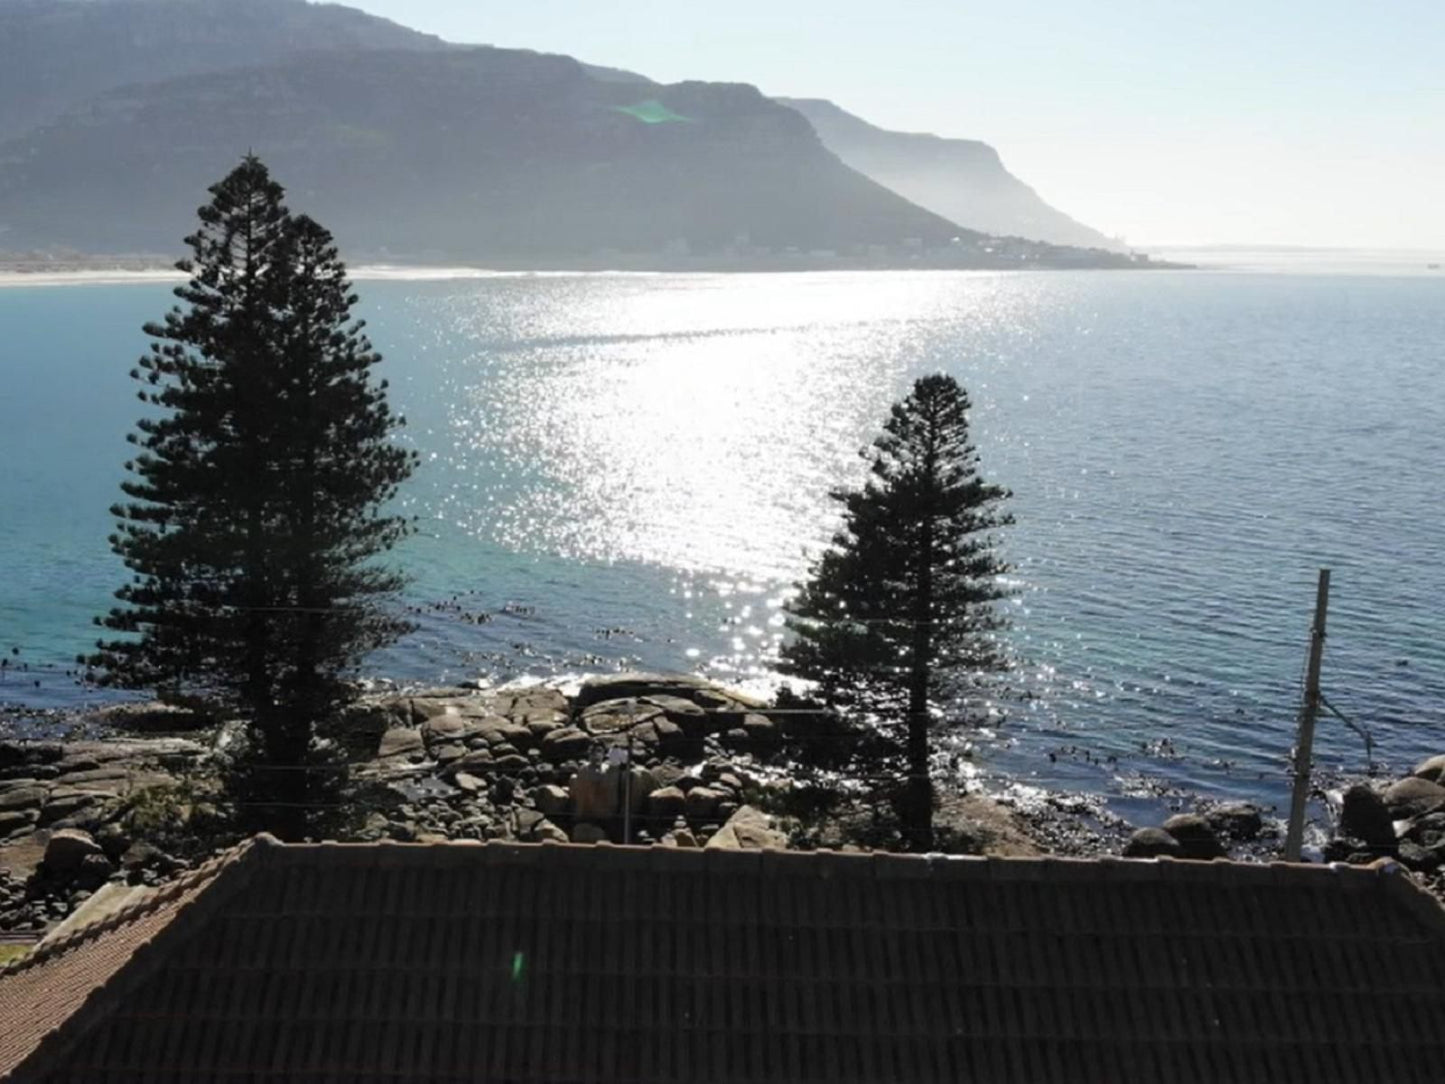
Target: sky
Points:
(1268, 122)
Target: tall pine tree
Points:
(257, 502)
(898, 618)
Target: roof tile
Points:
(553, 962)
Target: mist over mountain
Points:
(962, 179)
(115, 116)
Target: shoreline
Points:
(152, 267)
(142, 793)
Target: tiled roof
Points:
(559, 963)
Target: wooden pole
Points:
(627, 795)
(1309, 710)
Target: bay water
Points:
(629, 471)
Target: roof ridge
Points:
(165, 894)
(200, 885)
(861, 861)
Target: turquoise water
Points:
(630, 470)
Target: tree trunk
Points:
(918, 816)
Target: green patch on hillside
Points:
(652, 111)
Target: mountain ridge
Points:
(964, 180)
(412, 147)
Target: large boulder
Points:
(1239, 821)
(1413, 797)
(67, 850)
(614, 716)
(634, 684)
(702, 803)
(1432, 769)
(1364, 816)
(1152, 843)
(1421, 859)
(444, 727)
(21, 795)
(550, 799)
(1428, 831)
(668, 802)
(748, 829)
(1196, 839)
(569, 743)
(400, 741)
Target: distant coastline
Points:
(103, 271)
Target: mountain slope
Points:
(55, 54)
(961, 179)
(463, 153)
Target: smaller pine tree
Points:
(897, 624)
(257, 504)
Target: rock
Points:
(547, 832)
(635, 684)
(760, 729)
(1364, 816)
(1196, 839)
(669, 802)
(1340, 848)
(748, 829)
(67, 850)
(536, 705)
(551, 800)
(113, 840)
(21, 794)
(1417, 857)
(23, 754)
(1413, 797)
(612, 716)
(569, 743)
(446, 727)
(1239, 821)
(1152, 843)
(1428, 831)
(679, 837)
(587, 833)
(446, 752)
(17, 820)
(702, 802)
(501, 732)
(154, 717)
(400, 741)
(468, 784)
(67, 805)
(1432, 770)
(95, 869)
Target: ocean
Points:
(629, 471)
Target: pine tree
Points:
(898, 618)
(257, 501)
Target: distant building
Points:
(463, 962)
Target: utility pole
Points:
(1309, 710)
(627, 794)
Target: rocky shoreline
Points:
(641, 758)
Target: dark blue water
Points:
(630, 470)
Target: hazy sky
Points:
(1312, 122)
